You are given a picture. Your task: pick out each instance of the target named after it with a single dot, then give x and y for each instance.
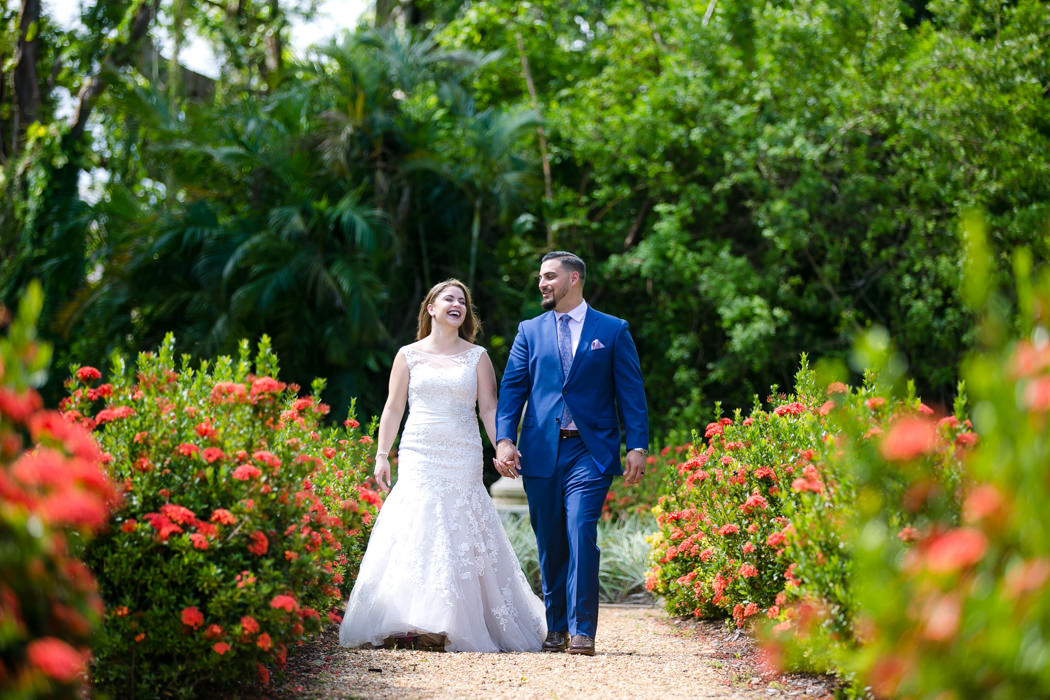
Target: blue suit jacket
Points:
(604, 386)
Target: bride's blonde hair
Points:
(471, 325)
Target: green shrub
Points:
(958, 606)
(922, 483)
(54, 496)
(757, 518)
(717, 549)
(242, 516)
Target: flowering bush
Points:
(722, 520)
(921, 482)
(958, 604)
(756, 519)
(241, 519)
(53, 497)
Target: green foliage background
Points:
(748, 179)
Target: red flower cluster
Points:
(809, 481)
(266, 386)
(268, 458)
(249, 625)
(955, 550)
(908, 438)
(88, 374)
(212, 454)
(111, 414)
(284, 602)
(790, 409)
(246, 471)
(259, 543)
(55, 657)
(192, 617)
(223, 516)
(229, 392)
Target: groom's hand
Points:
(634, 468)
(507, 459)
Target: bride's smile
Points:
(449, 307)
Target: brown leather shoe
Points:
(556, 641)
(581, 644)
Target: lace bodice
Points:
(442, 387)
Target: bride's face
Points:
(449, 307)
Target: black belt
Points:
(568, 434)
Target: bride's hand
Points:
(504, 469)
(382, 472)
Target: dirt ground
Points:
(640, 652)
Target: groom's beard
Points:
(557, 294)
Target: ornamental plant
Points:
(721, 522)
(54, 496)
(958, 606)
(919, 482)
(755, 519)
(242, 523)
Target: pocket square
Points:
(596, 344)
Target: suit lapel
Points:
(550, 329)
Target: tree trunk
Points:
(174, 83)
(4, 146)
(274, 45)
(237, 65)
(548, 191)
(26, 78)
(403, 12)
(385, 12)
(119, 56)
(475, 234)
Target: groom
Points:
(575, 373)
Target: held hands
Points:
(507, 460)
(634, 468)
(382, 472)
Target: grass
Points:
(624, 558)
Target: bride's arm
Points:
(487, 396)
(390, 421)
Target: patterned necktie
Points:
(565, 350)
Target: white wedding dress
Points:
(438, 560)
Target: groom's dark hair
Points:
(569, 260)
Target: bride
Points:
(439, 567)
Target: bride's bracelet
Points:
(382, 454)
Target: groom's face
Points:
(555, 283)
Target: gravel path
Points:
(639, 653)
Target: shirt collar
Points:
(576, 314)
